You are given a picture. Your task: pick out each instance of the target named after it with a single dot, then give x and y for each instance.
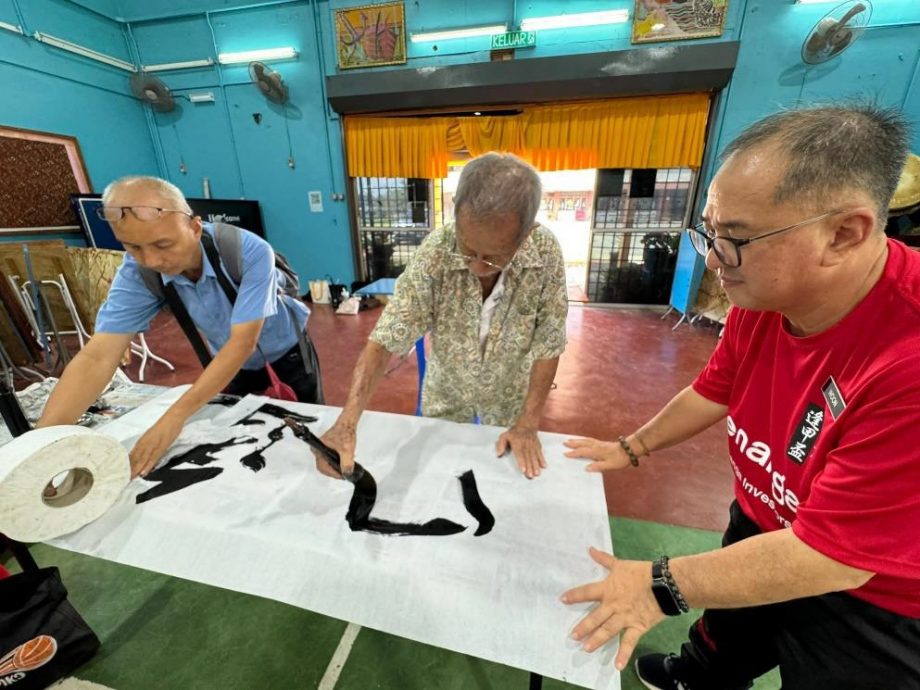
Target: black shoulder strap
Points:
(229, 241)
(152, 281)
(214, 257)
(177, 306)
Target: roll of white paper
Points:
(99, 470)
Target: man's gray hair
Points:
(832, 149)
(169, 192)
(498, 184)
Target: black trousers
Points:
(303, 376)
(833, 641)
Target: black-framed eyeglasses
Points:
(728, 249)
(113, 214)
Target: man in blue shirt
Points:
(154, 222)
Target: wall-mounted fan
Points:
(270, 83)
(836, 31)
(153, 92)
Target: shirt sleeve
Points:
(715, 381)
(864, 507)
(130, 306)
(410, 311)
(549, 335)
(258, 292)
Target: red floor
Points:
(619, 368)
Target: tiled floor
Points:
(619, 368)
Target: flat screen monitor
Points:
(242, 213)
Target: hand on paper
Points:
(626, 605)
(342, 438)
(153, 444)
(605, 455)
(525, 445)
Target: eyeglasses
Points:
(470, 258)
(728, 249)
(113, 214)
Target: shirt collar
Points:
(206, 265)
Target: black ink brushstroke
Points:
(225, 399)
(248, 422)
(277, 411)
(169, 479)
(474, 505)
(172, 480)
(256, 459)
(365, 496)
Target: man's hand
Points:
(341, 437)
(154, 443)
(606, 456)
(525, 445)
(626, 605)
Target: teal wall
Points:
(46, 89)
(221, 141)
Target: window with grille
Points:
(638, 217)
(394, 216)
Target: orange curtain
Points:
(647, 132)
(488, 133)
(397, 147)
(643, 132)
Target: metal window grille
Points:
(393, 202)
(394, 217)
(386, 252)
(632, 267)
(638, 216)
(631, 205)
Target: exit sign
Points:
(514, 39)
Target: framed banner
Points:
(40, 171)
(370, 35)
(676, 20)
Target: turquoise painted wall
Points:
(241, 156)
(46, 89)
(222, 141)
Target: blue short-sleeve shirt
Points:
(130, 306)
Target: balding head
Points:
(143, 186)
(831, 152)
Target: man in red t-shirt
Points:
(817, 377)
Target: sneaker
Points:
(659, 672)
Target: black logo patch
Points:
(806, 433)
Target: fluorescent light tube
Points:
(468, 32)
(564, 21)
(85, 52)
(188, 64)
(287, 53)
(15, 28)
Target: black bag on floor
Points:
(42, 637)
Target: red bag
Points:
(278, 390)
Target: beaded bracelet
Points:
(633, 458)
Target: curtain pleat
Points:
(642, 132)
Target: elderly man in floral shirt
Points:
(490, 289)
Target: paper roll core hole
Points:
(77, 484)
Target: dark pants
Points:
(300, 374)
(834, 641)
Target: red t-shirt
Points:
(824, 431)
